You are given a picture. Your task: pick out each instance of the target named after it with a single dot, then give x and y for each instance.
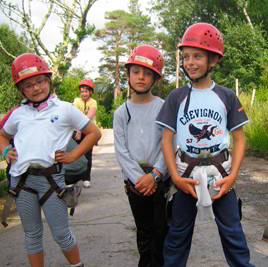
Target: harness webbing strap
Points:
(54, 188)
(188, 171)
(14, 192)
(20, 184)
(221, 170)
(128, 113)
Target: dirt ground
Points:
(252, 183)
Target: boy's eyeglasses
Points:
(30, 86)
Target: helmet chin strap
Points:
(186, 107)
(37, 104)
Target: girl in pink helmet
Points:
(201, 114)
(42, 127)
(138, 152)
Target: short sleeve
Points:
(167, 116)
(236, 116)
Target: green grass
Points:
(3, 188)
(3, 175)
(256, 132)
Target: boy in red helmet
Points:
(202, 113)
(138, 152)
(88, 106)
(42, 127)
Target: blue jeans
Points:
(179, 238)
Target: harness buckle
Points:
(12, 192)
(58, 168)
(62, 192)
(226, 154)
(204, 162)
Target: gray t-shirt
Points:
(138, 138)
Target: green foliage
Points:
(9, 97)
(67, 89)
(256, 131)
(3, 190)
(244, 50)
(104, 118)
(16, 45)
(262, 95)
(3, 175)
(118, 102)
(163, 88)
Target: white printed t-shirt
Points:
(212, 113)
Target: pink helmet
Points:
(88, 83)
(204, 36)
(147, 56)
(28, 65)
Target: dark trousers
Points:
(150, 220)
(74, 178)
(88, 155)
(179, 238)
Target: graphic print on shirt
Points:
(199, 134)
(204, 129)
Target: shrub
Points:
(256, 131)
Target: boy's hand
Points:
(186, 185)
(12, 155)
(146, 185)
(64, 157)
(225, 184)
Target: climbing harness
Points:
(192, 163)
(69, 193)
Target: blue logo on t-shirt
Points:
(54, 118)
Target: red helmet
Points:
(28, 65)
(147, 56)
(204, 36)
(88, 83)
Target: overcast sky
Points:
(88, 56)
